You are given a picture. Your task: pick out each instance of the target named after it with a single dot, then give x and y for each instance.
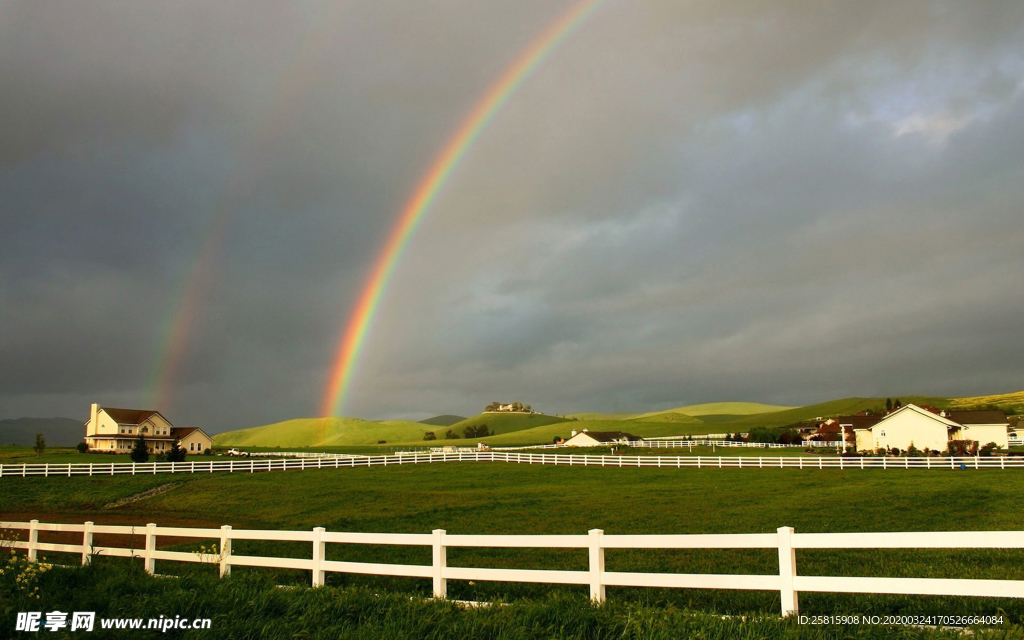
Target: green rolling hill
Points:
(519, 429)
(446, 420)
(502, 423)
(323, 432)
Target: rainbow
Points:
(426, 191)
(198, 278)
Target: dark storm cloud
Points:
(687, 202)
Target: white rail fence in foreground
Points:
(786, 541)
(665, 462)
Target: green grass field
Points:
(525, 499)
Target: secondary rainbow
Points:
(419, 203)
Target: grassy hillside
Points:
(729, 408)
(602, 416)
(500, 423)
(443, 421)
(670, 417)
(323, 432)
(844, 406)
(1006, 401)
(545, 434)
(59, 432)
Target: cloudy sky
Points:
(687, 202)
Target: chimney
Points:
(94, 411)
(573, 434)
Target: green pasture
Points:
(498, 498)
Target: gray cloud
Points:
(686, 202)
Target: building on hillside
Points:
(588, 438)
(911, 425)
(116, 430)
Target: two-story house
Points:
(116, 430)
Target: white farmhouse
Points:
(912, 425)
(113, 430)
(587, 438)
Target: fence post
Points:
(319, 547)
(440, 561)
(787, 570)
(87, 543)
(150, 561)
(596, 565)
(33, 539)
(225, 550)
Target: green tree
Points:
(429, 435)
(139, 451)
(888, 405)
(527, 408)
(40, 446)
(176, 453)
(83, 447)
(451, 435)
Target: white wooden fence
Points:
(251, 465)
(785, 540)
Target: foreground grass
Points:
(491, 498)
(251, 606)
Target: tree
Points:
(517, 406)
(40, 445)
(429, 435)
(139, 451)
(527, 408)
(451, 435)
(176, 453)
(888, 405)
(83, 447)
(897, 404)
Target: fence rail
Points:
(699, 462)
(785, 540)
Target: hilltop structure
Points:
(114, 430)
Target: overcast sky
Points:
(783, 202)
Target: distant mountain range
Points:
(59, 432)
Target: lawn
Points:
(531, 499)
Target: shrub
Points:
(82, 447)
(451, 435)
(382, 442)
(176, 454)
(139, 451)
(207, 451)
(879, 451)
(912, 451)
(429, 435)
(895, 451)
(988, 449)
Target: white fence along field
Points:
(785, 540)
(251, 465)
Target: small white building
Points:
(588, 438)
(911, 425)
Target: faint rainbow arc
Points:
(196, 280)
(426, 191)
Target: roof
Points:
(131, 416)
(183, 432)
(977, 417)
(608, 436)
(918, 410)
(858, 422)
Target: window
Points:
(882, 434)
(144, 430)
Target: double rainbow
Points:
(497, 94)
